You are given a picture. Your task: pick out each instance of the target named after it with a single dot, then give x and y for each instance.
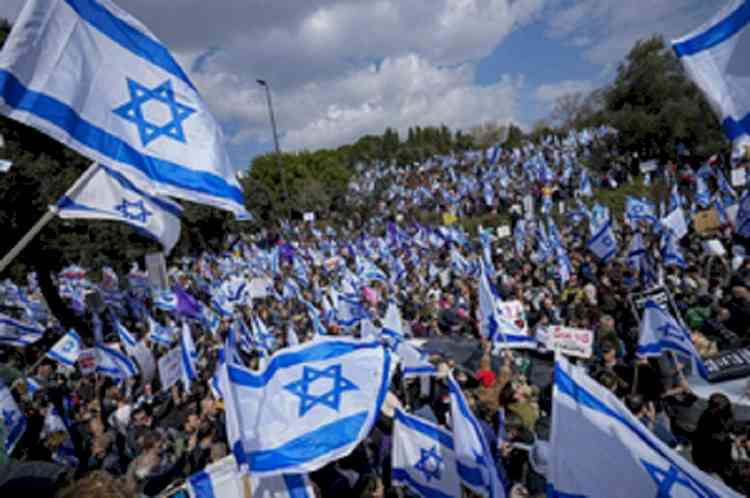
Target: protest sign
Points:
(561, 208)
(570, 341)
(157, 270)
(528, 206)
(145, 360)
(258, 288)
(309, 217)
(706, 221)
(449, 219)
(649, 166)
(503, 231)
(739, 177)
(170, 368)
(714, 247)
(87, 361)
(514, 312)
(660, 295)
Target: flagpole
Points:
(46, 218)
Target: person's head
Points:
(192, 422)
(608, 352)
(607, 323)
(142, 417)
(97, 484)
(635, 403)
(720, 406)
(151, 442)
(373, 487)
(218, 451)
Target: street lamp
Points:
(264, 84)
(270, 112)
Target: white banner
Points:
(170, 368)
(570, 341)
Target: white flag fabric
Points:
(476, 467)
(312, 404)
(224, 480)
(675, 222)
(108, 195)
(127, 339)
(13, 421)
(14, 332)
(601, 449)
(496, 327)
(67, 349)
(93, 77)
(113, 363)
(715, 57)
(423, 457)
(604, 244)
(660, 332)
(189, 357)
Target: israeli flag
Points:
(53, 423)
(585, 188)
(589, 421)
(475, 464)
(519, 235)
(311, 405)
(604, 243)
(14, 421)
(639, 209)
(392, 324)
(98, 81)
(291, 336)
(112, 363)
(423, 458)
(17, 333)
(109, 195)
(715, 58)
(660, 332)
(189, 358)
(223, 479)
(702, 194)
(675, 199)
(159, 334)
(496, 327)
(67, 349)
(670, 252)
(264, 340)
(127, 339)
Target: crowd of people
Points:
(94, 432)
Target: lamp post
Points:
(265, 85)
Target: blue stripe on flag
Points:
(61, 359)
(15, 434)
(735, 129)
(295, 486)
(725, 29)
(417, 425)
(59, 114)
(163, 204)
(310, 445)
(401, 475)
(128, 37)
(202, 485)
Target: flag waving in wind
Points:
(600, 449)
(94, 78)
(715, 58)
(312, 404)
(108, 195)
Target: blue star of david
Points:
(429, 464)
(667, 479)
(134, 211)
(669, 330)
(133, 111)
(8, 417)
(331, 398)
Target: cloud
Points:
(549, 92)
(607, 29)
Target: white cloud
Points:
(549, 92)
(608, 29)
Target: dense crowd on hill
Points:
(118, 432)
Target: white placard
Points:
(570, 341)
(714, 247)
(514, 312)
(309, 216)
(649, 166)
(561, 208)
(528, 206)
(739, 177)
(156, 267)
(87, 361)
(145, 360)
(259, 287)
(5, 165)
(170, 368)
(503, 231)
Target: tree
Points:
(655, 106)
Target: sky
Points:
(341, 69)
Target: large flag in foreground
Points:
(91, 76)
(715, 56)
(108, 195)
(312, 404)
(601, 449)
(13, 422)
(423, 457)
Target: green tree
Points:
(655, 106)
